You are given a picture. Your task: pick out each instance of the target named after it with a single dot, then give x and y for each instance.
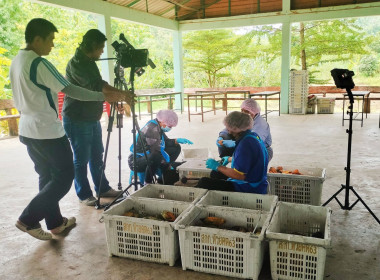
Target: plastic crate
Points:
(178, 193)
(294, 252)
(239, 200)
(304, 189)
(194, 169)
(143, 239)
(201, 154)
(221, 251)
(325, 105)
(298, 108)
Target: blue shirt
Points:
(249, 158)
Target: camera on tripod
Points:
(343, 78)
(128, 56)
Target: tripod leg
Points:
(365, 205)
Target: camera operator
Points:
(81, 119)
(35, 86)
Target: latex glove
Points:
(212, 164)
(184, 141)
(217, 141)
(229, 143)
(225, 160)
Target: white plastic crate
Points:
(194, 169)
(143, 239)
(294, 252)
(221, 251)
(304, 189)
(177, 193)
(201, 153)
(298, 108)
(325, 105)
(253, 201)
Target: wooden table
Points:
(358, 95)
(202, 94)
(149, 99)
(227, 92)
(266, 94)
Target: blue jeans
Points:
(86, 141)
(53, 161)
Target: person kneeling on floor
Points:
(161, 151)
(249, 162)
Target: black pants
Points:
(155, 160)
(216, 182)
(53, 161)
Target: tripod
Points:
(347, 186)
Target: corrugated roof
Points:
(198, 9)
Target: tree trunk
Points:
(302, 41)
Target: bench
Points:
(7, 105)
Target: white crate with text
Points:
(143, 239)
(194, 169)
(222, 251)
(298, 238)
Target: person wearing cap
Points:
(249, 162)
(161, 150)
(81, 119)
(226, 142)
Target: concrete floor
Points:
(301, 141)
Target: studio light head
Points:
(343, 78)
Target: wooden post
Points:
(367, 105)
(12, 124)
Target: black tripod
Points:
(347, 186)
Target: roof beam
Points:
(325, 13)
(104, 8)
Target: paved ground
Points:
(301, 141)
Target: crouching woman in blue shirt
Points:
(249, 162)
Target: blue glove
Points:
(229, 143)
(212, 164)
(184, 141)
(217, 142)
(225, 160)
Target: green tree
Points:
(319, 42)
(211, 51)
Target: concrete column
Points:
(285, 66)
(107, 66)
(178, 68)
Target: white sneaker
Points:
(111, 193)
(91, 201)
(36, 232)
(67, 222)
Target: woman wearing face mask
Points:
(161, 151)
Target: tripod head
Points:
(343, 79)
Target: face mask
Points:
(166, 129)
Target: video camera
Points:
(343, 78)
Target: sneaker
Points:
(67, 222)
(111, 193)
(91, 201)
(36, 231)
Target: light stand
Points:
(342, 81)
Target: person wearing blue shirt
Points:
(249, 162)
(260, 126)
(161, 150)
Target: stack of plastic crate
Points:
(149, 239)
(298, 91)
(298, 238)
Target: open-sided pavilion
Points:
(189, 15)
